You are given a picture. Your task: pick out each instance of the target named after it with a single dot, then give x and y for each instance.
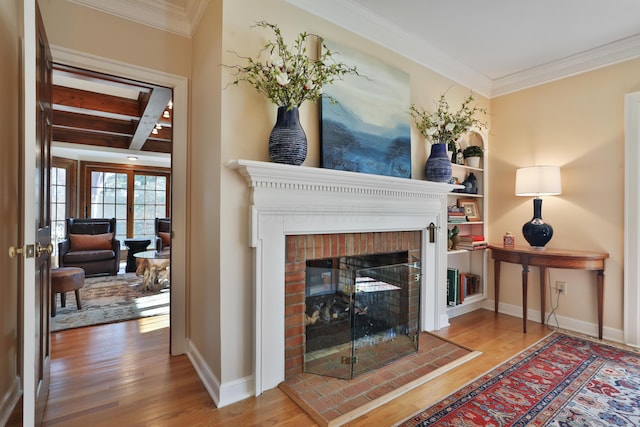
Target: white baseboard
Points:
(9, 401)
(568, 323)
(221, 394)
(464, 308)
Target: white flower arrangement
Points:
(289, 76)
(444, 126)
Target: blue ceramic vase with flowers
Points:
(287, 141)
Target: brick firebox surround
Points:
(302, 248)
(285, 200)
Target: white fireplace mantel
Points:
(288, 200)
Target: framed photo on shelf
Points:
(470, 207)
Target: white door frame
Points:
(631, 314)
(178, 171)
(29, 234)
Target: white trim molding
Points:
(161, 14)
(631, 298)
(180, 86)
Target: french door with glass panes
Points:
(135, 198)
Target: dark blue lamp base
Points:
(536, 232)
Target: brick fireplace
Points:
(303, 248)
(332, 211)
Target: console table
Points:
(544, 258)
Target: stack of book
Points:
(472, 242)
(456, 214)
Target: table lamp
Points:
(538, 181)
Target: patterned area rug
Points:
(562, 380)
(109, 299)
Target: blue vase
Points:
(288, 142)
(536, 231)
(438, 166)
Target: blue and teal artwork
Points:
(368, 130)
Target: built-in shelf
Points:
(470, 261)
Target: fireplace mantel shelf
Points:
(297, 200)
(292, 178)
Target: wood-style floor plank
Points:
(122, 375)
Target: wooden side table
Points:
(544, 258)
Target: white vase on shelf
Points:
(473, 162)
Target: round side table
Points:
(134, 246)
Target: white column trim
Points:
(631, 298)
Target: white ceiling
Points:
(491, 46)
(495, 46)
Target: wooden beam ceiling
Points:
(94, 109)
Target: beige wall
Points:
(10, 191)
(83, 29)
(204, 299)
(578, 124)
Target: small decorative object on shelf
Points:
(471, 209)
(472, 155)
(444, 127)
(508, 240)
(454, 238)
(288, 78)
(470, 184)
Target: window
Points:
(135, 197)
(109, 199)
(149, 203)
(63, 189)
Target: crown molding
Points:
(361, 21)
(158, 14)
(591, 59)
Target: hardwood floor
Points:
(122, 375)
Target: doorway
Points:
(179, 87)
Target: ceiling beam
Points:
(84, 137)
(84, 100)
(65, 119)
(153, 109)
(157, 146)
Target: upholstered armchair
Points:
(163, 234)
(91, 245)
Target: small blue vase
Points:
(438, 166)
(288, 142)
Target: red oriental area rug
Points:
(562, 380)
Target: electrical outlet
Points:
(561, 287)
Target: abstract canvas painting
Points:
(368, 130)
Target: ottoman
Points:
(63, 280)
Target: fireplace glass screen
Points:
(361, 313)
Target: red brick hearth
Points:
(301, 248)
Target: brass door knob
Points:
(44, 249)
(13, 251)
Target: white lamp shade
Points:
(538, 181)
